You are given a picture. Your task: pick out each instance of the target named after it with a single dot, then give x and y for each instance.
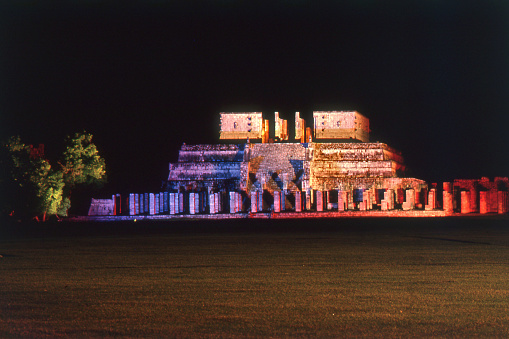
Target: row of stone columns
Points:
(148, 203)
(491, 201)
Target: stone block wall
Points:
(241, 125)
(102, 206)
(341, 125)
(275, 167)
(211, 153)
(334, 164)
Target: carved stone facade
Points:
(241, 125)
(341, 125)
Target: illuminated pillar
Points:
(432, 201)
(141, 200)
(181, 202)
(137, 203)
(483, 202)
(298, 201)
(192, 208)
(151, 204)
(232, 202)
(474, 207)
(448, 206)
(503, 202)
(319, 201)
(260, 201)
(493, 203)
(156, 203)
(254, 202)
(465, 202)
(409, 204)
(132, 204)
(341, 201)
(388, 200)
(171, 202)
(212, 208)
(417, 198)
(308, 199)
(277, 202)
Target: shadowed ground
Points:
(257, 278)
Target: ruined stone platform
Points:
(282, 215)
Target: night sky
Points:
(432, 77)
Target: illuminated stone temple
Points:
(339, 170)
(331, 169)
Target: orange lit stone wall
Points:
(241, 125)
(341, 125)
(334, 163)
(280, 127)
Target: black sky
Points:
(432, 76)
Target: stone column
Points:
(465, 202)
(181, 202)
(151, 204)
(308, 199)
(493, 200)
(191, 203)
(277, 202)
(341, 201)
(503, 202)
(140, 201)
(319, 201)
(137, 203)
(483, 202)
(474, 207)
(171, 202)
(254, 202)
(417, 198)
(409, 204)
(232, 202)
(448, 206)
(350, 204)
(431, 200)
(212, 208)
(298, 201)
(132, 204)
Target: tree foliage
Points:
(30, 186)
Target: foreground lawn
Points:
(345, 279)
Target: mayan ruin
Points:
(332, 169)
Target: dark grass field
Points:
(445, 277)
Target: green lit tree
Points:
(30, 187)
(81, 165)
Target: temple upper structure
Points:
(265, 164)
(341, 125)
(242, 125)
